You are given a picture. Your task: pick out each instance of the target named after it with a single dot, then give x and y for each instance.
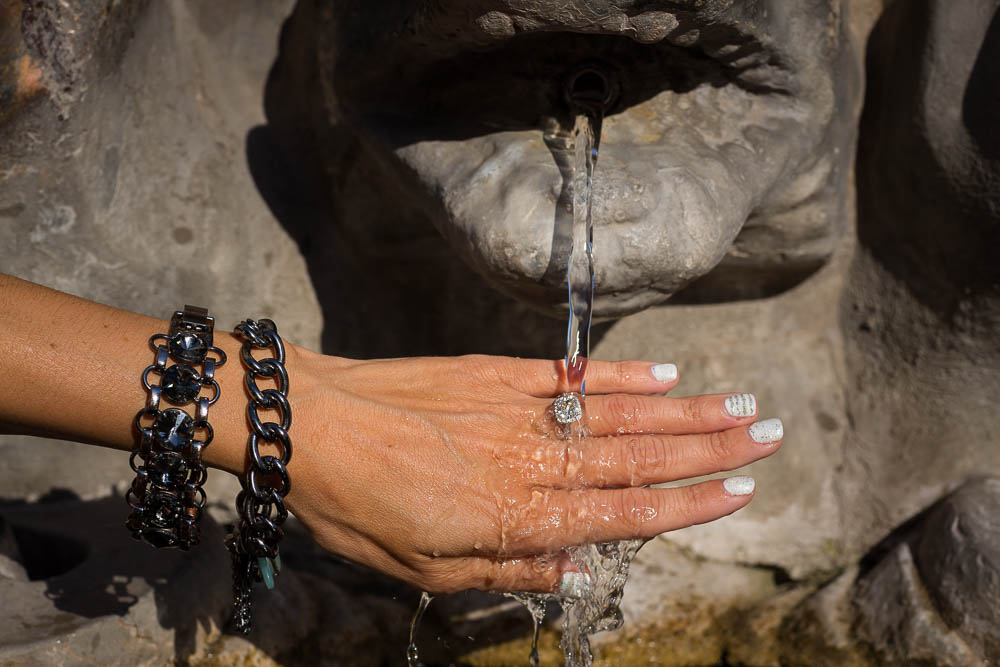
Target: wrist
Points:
(228, 450)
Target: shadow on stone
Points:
(918, 171)
(981, 102)
(88, 582)
(47, 555)
(74, 582)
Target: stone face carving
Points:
(725, 151)
(403, 146)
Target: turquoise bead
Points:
(266, 571)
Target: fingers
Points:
(618, 414)
(546, 378)
(555, 518)
(640, 460)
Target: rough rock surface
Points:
(958, 558)
(88, 592)
(819, 631)
(921, 307)
(898, 619)
(92, 595)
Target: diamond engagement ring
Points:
(567, 409)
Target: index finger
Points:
(545, 378)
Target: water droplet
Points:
(412, 655)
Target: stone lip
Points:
(724, 127)
(897, 620)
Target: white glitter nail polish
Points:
(574, 584)
(769, 430)
(664, 372)
(739, 486)
(741, 405)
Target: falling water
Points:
(412, 657)
(586, 138)
(607, 564)
(535, 604)
(575, 150)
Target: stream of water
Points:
(575, 150)
(606, 564)
(583, 143)
(412, 654)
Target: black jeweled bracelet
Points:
(166, 495)
(254, 542)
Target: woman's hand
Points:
(445, 472)
(448, 473)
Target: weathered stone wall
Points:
(125, 179)
(137, 168)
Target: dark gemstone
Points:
(173, 429)
(163, 509)
(167, 470)
(188, 346)
(181, 383)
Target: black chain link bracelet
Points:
(166, 495)
(253, 544)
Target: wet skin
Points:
(448, 472)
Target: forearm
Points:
(70, 369)
(446, 472)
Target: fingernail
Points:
(769, 430)
(741, 405)
(574, 584)
(739, 486)
(664, 372)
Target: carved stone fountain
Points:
(832, 251)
